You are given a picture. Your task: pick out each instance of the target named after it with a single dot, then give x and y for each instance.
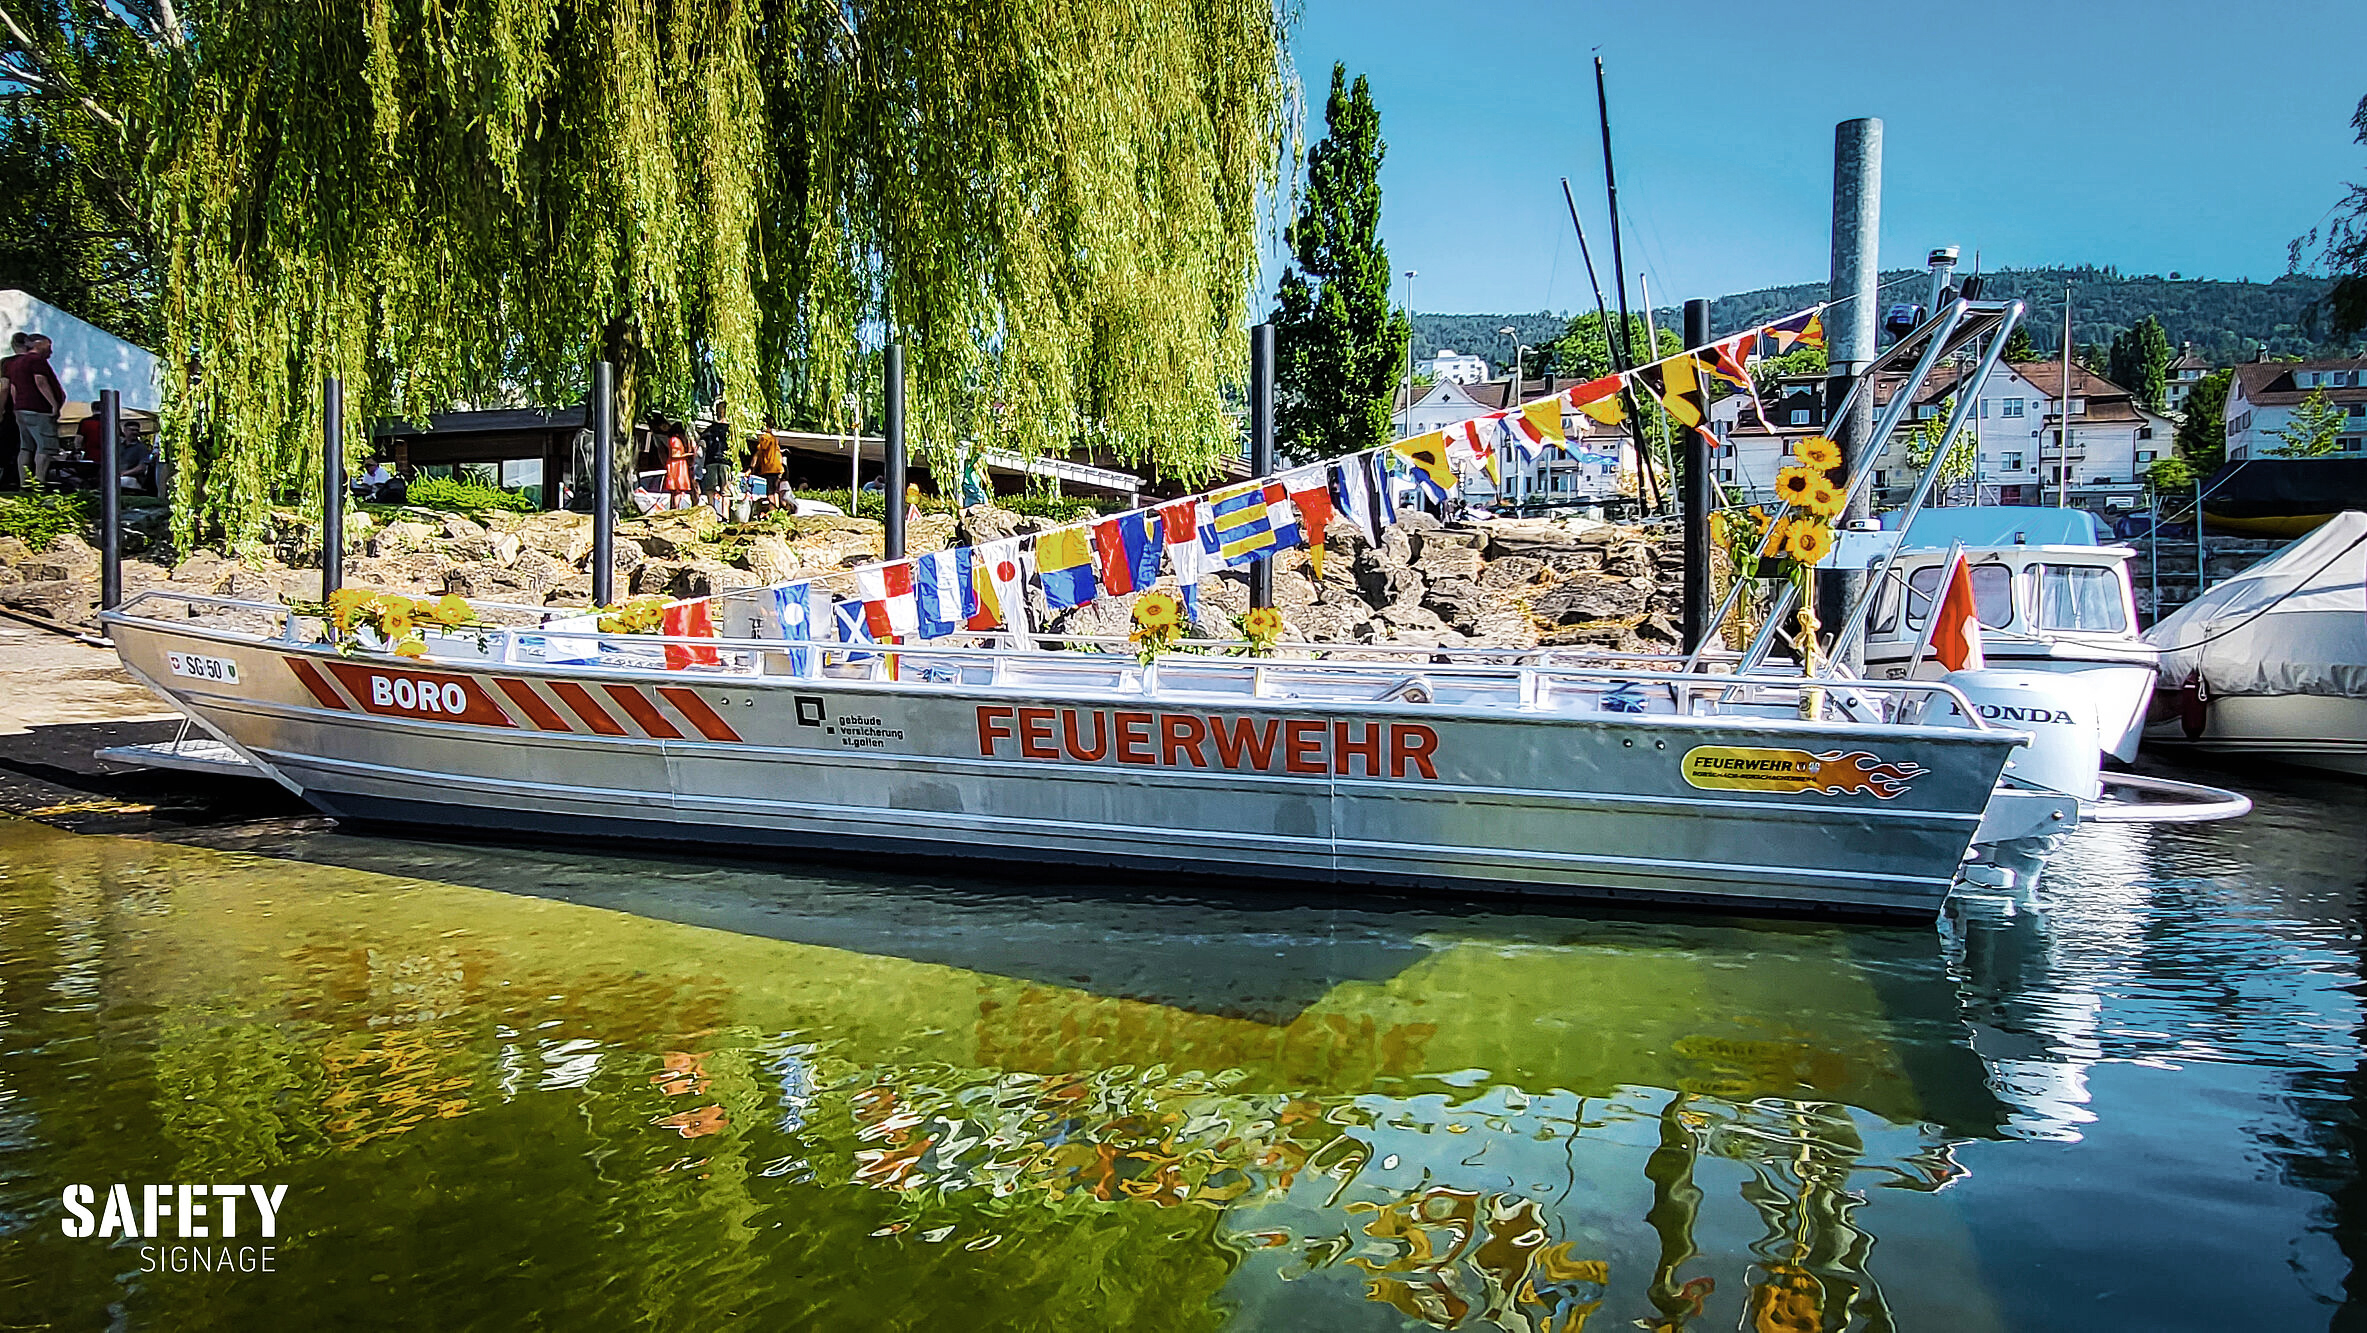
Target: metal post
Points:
(332, 485)
(110, 499)
(1405, 421)
(603, 410)
(1697, 498)
(2202, 582)
(1851, 322)
(2063, 437)
(892, 479)
(1261, 442)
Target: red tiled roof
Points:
(2271, 384)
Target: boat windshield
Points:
(2080, 598)
(1993, 597)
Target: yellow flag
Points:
(1545, 416)
(1428, 452)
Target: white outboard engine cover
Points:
(2063, 754)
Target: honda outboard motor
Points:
(2063, 754)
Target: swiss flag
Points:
(1956, 634)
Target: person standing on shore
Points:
(34, 392)
(768, 464)
(9, 434)
(680, 488)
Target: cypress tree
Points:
(1338, 347)
(2141, 362)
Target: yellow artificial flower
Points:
(1158, 611)
(453, 609)
(1809, 542)
(1818, 452)
(344, 605)
(1793, 484)
(1824, 500)
(410, 648)
(1264, 622)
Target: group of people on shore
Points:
(701, 467)
(31, 403)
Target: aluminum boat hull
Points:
(1167, 781)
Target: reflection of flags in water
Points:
(1352, 492)
(690, 620)
(889, 609)
(1064, 566)
(942, 585)
(1000, 595)
(850, 620)
(1309, 489)
(1676, 382)
(793, 607)
(1244, 531)
(1187, 558)
(1803, 330)
(1126, 552)
(1600, 399)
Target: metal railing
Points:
(1527, 678)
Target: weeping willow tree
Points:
(1053, 204)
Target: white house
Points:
(2185, 372)
(1453, 367)
(2019, 454)
(2262, 398)
(85, 357)
(1591, 469)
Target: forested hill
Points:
(2224, 320)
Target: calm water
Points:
(513, 1088)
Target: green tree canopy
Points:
(1339, 350)
(2314, 431)
(2202, 428)
(2169, 474)
(2140, 362)
(2017, 345)
(1053, 205)
(1583, 352)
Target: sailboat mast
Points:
(1622, 353)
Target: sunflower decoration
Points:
(410, 648)
(638, 616)
(344, 608)
(1158, 620)
(1793, 484)
(1824, 500)
(1818, 453)
(1260, 630)
(1808, 541)
(452, 611)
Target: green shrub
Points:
(465, 496)
(38, 519)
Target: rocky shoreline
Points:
(1498, 584)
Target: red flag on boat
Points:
(1956, 635)
(689, 620)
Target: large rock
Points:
(400, 536)
(770, 559)
(70, 600)
(1630, 559)
(1441, 561)
(1511, 571)
(1581, 601)
(538, 571)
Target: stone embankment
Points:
(1520, 583)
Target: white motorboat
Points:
(2272, 663)
(2050, 599)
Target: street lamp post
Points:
(1405, 420)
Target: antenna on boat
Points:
(332, 487)
(603, 412)
(1261, 443)
(1622, 352)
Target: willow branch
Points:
(24, 41)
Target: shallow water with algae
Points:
(514, 1087)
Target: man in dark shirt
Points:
(34, 392)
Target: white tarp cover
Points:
(86, 357)
(2311, 640)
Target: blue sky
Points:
(2158, 137)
